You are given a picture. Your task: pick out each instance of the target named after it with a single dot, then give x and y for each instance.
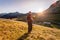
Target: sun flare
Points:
(40, 10)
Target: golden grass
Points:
(12, 30)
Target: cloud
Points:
(24, 5)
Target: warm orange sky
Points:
(24, 6)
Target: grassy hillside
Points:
(15, 30)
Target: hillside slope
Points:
(52, 13)
(13, 30)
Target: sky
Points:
(23, 6)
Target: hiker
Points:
(29, 20)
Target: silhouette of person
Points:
(29, 20)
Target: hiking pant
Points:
(29, 26)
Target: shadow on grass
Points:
(24, 36)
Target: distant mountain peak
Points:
(54, 8)
(55, 4)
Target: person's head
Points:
(29, 11)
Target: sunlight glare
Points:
(40, 10)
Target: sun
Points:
(40, 10)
